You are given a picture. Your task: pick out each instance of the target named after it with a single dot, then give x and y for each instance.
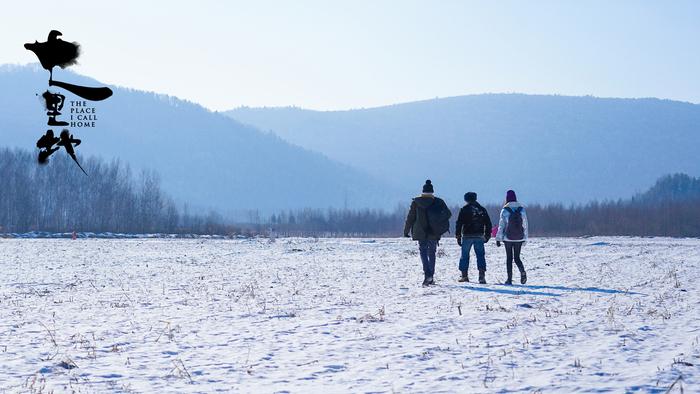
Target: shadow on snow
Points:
(527, 290)
(506, 290)
(591, 289)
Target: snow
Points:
(47, 234)
(346, 315)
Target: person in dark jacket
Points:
(417, 226)
(473, 229)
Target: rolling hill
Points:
(548, 148)
(204, 158)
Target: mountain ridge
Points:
(427, 100)
(204, 158)
(552, 148)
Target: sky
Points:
(330, 55)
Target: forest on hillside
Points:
(670, 208)
(58, 197)
(544, 146)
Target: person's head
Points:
(510, 196)
(428, 187)
(470, 197)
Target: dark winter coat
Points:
(473, 222)
(417, 219)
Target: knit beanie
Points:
(428, 187)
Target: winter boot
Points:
(426, 281)
(523, 277)
(431, 281)
(482, 277)
(464, 278)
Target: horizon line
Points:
(36, 66)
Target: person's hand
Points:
(486, 239)
(498, 243)
(459, 241)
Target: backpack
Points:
(514, 227)
(438, 216)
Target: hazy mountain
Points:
(204, 158)
(548, 148)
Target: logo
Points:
(56, 52)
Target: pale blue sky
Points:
(350, 54)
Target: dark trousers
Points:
(427, 256)
(513, 253)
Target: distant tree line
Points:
(670, 208)
(336, 222)
(58, 197)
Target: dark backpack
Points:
(514, 227)
(438, 216)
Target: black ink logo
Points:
(54, 104)
(56, 52)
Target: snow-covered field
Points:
(346, 315)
